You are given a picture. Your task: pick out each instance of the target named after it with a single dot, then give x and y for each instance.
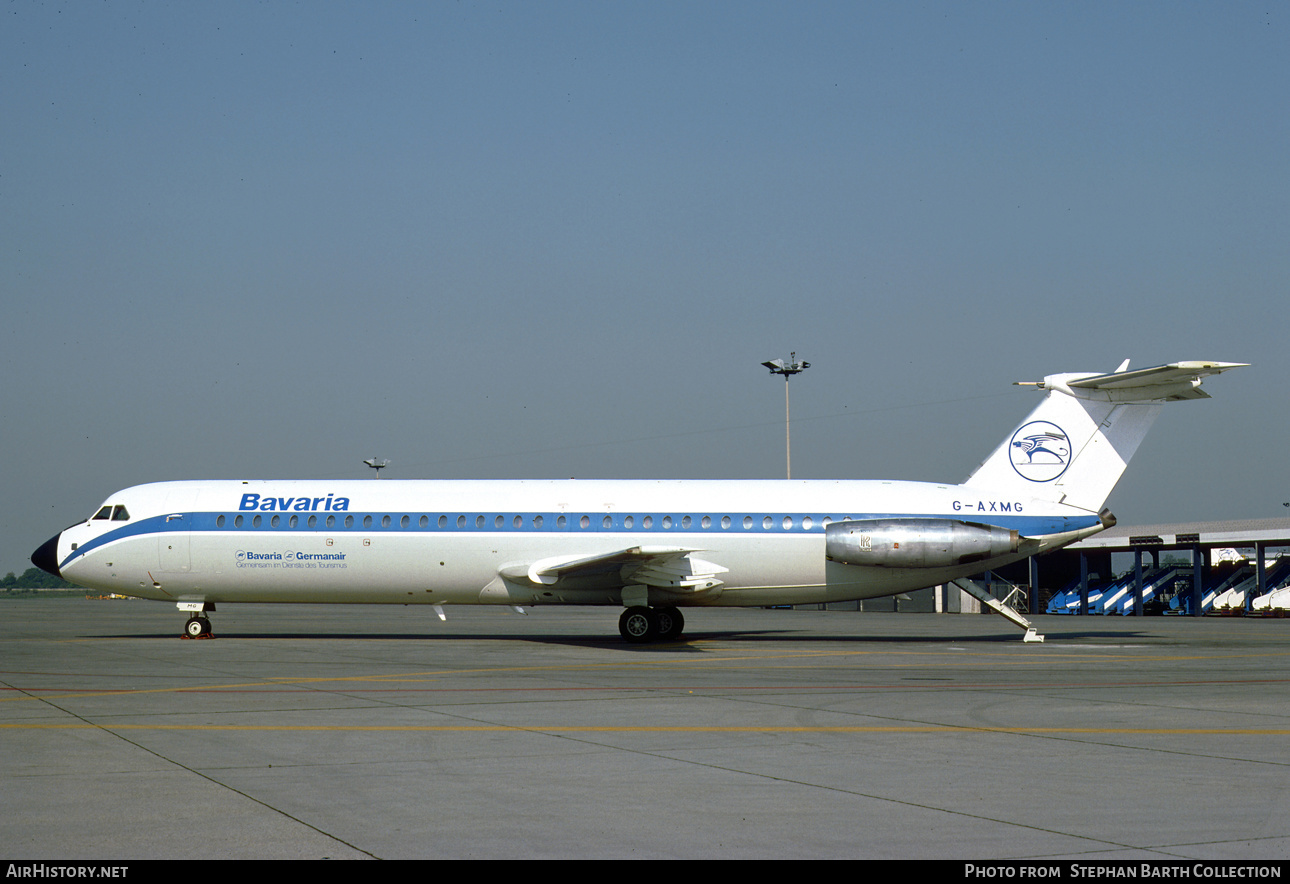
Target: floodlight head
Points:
(377, 465)
(789, 368)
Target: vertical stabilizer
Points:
(1074, 446)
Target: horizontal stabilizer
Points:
(1161, 383)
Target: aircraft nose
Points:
(46, 557)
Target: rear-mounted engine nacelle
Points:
(916, 543)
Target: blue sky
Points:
(257, 240)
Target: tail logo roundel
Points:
(1040, 451)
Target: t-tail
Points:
(1074, 446)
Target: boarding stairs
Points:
(1277, 599)
(1007, 607)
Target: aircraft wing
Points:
(666, 567)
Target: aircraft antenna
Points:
(787, 369)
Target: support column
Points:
(1197, 581)
(1083, 583)
(1261, 576)
(1137, 582)
(1034, 584)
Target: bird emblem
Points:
(1038, 443)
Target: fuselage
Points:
(473, 542)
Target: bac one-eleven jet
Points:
(651, 547)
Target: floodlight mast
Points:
(377, 465)
(787, 369)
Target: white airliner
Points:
(653, 547)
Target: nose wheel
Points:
(198, 627)
(640, 624)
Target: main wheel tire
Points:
(670, 623)
(638, 625)
(197, 627)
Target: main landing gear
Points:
(640, 624)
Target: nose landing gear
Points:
(198, 625)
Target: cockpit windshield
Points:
(116, 513)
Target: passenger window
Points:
(293, 522)
(518, 521)
(561, 521)
(219, 521)
(423, 522)
(584, 522)
(707, 522)
(405, 522)
(385, 521)
(607, 522)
